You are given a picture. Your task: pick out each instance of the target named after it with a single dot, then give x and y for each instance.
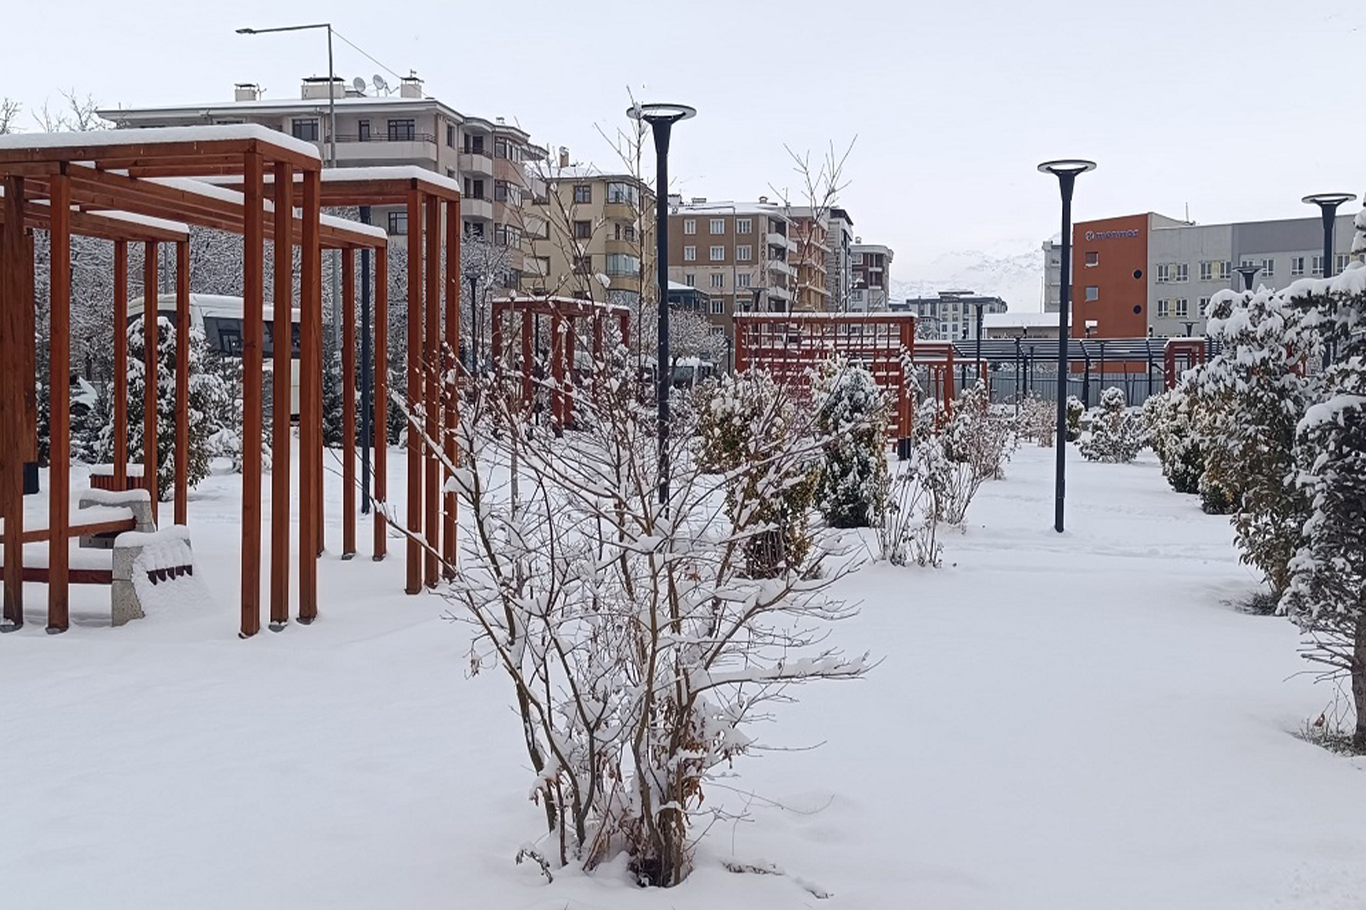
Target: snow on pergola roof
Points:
(151, 136)
(1019, 320)
(362, 185)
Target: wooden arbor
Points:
(564, 314)
(789, 344)
(139, 171)
(1179, 355)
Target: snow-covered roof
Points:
(721, 207)
(210, 191)
(147, 221)
(159, 136)
(1019, 320)
(680, 286)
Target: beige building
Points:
(596, 232)
(378, 127)
(737, 253)
(871, 273)
(811, 232)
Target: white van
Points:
(220, 319)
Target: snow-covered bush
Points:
(912, 504)
(742, 421)
(852, 413)
(1116, 434)
(1038, 421)
(1170, 422)
(640, 650)
(1076, 409)
(978, 438)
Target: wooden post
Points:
(59, 404)
(381, 428)
(28, 343)
(557, 349)
(432, 365)
(252, 293)
(182, 381)
(413, 363)
(151, 339)
(528, 357)
(120, 365)
(452, 363)
(282, 354)
(310, 396)
(13, 303)
(567, 394)
(348, 359)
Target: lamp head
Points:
(1061, 167)
(246, 31)
(661, 112)
(1329, 200)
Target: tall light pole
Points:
(661, 118)
(331, 79)
(1328, 208)
(1066, 170)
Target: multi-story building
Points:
(1052, 273)
(810, 228)
(839, 271)
(487, 157)
(951, 316)
(1151, 275)
(594, 224)
(871, 277)
(1020, 325)
(737, 252)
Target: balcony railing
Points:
(385, 137)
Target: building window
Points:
(1340, 263)
(501, 149)
(744, 225)
(1318, 266)
(690, 225)
(474, 230)
(718, 254)
(474, 145)
(718, 308)
(583, 230)
(1092, 258)
(1181, 272)
(1183, 308)
(690, 279)
(718, 225)
(1296, 266)
(718, 331)
(1204, 307)
(583, 194)
(689, 254)
(623, 194)
(583, 265)
(305, 128)
(1207, 271)
(450, 135)
(1268, 268)
(398, 223)
(1092, 292)
(623, 264)
(718, 280)
(1225, 270)
(744, 253)
(1164, 272)
(402, 131)
(858, 259)
(363, 131)
(1163, 309)
(742, 279)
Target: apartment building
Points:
(1148, 274)
(737, 252)
(952, 315)
(871, 277)
(810, 229)
(839, 270)
(376, 127)
(593, 224)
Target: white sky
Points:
(1237, 107)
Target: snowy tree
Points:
(1075, 409)
(913, 501)
(1116, 434)
(1038, 421)
(976, 437)
(852, 411)
(1170, 419)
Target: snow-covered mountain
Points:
(1013, 271)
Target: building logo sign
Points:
(1111, 235)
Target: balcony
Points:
(779, 266)
(473, 163)
(413, 148)
(476, 208)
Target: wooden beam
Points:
(252, 303)
(12, 457)
(59, 406)
(150, 343)
(310, 398)
(413, 365)
(182, 382)
(381, 428)
(120, 364)
(432, 406)
(348, 393)
(28, 343)
(282, 334)
(452, 370)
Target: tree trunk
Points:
(1359, 683)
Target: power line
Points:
(367, 56)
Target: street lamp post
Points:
(661, 118)
(1066, 170)
(478, 330)
(1249, 272)
(331, 79)
(1328, 208)
(1189, 324)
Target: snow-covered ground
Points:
(1074, 721)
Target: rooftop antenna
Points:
(1188, 213)
(380, 84)
(358, 84)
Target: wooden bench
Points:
(102, 477)
(85, 566)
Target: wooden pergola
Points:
(111, 182)
(432, 205)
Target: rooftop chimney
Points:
(763, 200)
(410, 86)
(858, 239)
(316, 87)
(564, 156)
(699, 200)
(246, 91)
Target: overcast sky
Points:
(1235, 107)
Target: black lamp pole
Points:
(661, 118)
(1249, 273)
(474, 311)
(1328, 208)
(366, 405)
(1066, 170)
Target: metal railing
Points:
(387, 137)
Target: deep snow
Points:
(1060, 721)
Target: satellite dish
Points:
(358, 84)
(379, 83)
